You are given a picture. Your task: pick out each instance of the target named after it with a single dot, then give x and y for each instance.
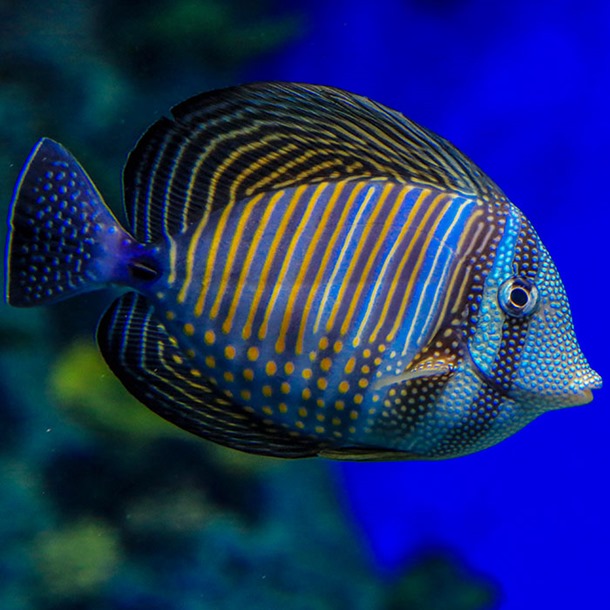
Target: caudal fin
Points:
(59, 230)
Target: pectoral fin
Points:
(429, 367)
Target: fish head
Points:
(524, 344)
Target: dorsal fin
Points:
(232, 143)
(152, 367)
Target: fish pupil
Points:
(519, 296)
(143, 270)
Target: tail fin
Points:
(59, 232)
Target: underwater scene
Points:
(348, 254)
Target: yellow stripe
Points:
(239, 179)
(260, 288)
(355, 259)
(490, 230)
(311, 174)
(185, 397)
(328, 253)
(458, 302)
(385, 143)
(430, 303)
(274, 155)
(348, 239)
(235, 241)
(311, 248)
(274, 177)
(250, 256)
(467, 235)
(288, 256)
(425, 193)
(190, 260)
(209, 150)
(405, 258)
(230, 160)
(195, 240)
(471, 239)
(372, 255)
(211, 259)
(414, 278)
(171, 278)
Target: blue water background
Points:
(522, 88)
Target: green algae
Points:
(86, 390)
(77, 560)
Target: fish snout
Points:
(582, 385)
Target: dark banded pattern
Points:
(478, 425)
(349, 259)
(167, 382)
(410, 419)
(227, 145)
(320, 277)
(316, 228)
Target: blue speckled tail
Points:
(60, 231)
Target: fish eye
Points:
(518, 297)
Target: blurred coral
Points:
(75, 561)
(82, 386)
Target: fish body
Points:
(309, 273)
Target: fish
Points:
(306, 272)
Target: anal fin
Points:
(154, 369)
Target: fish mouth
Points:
(582, 387)
(575, 395)
(583, 398)
(578, 392)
